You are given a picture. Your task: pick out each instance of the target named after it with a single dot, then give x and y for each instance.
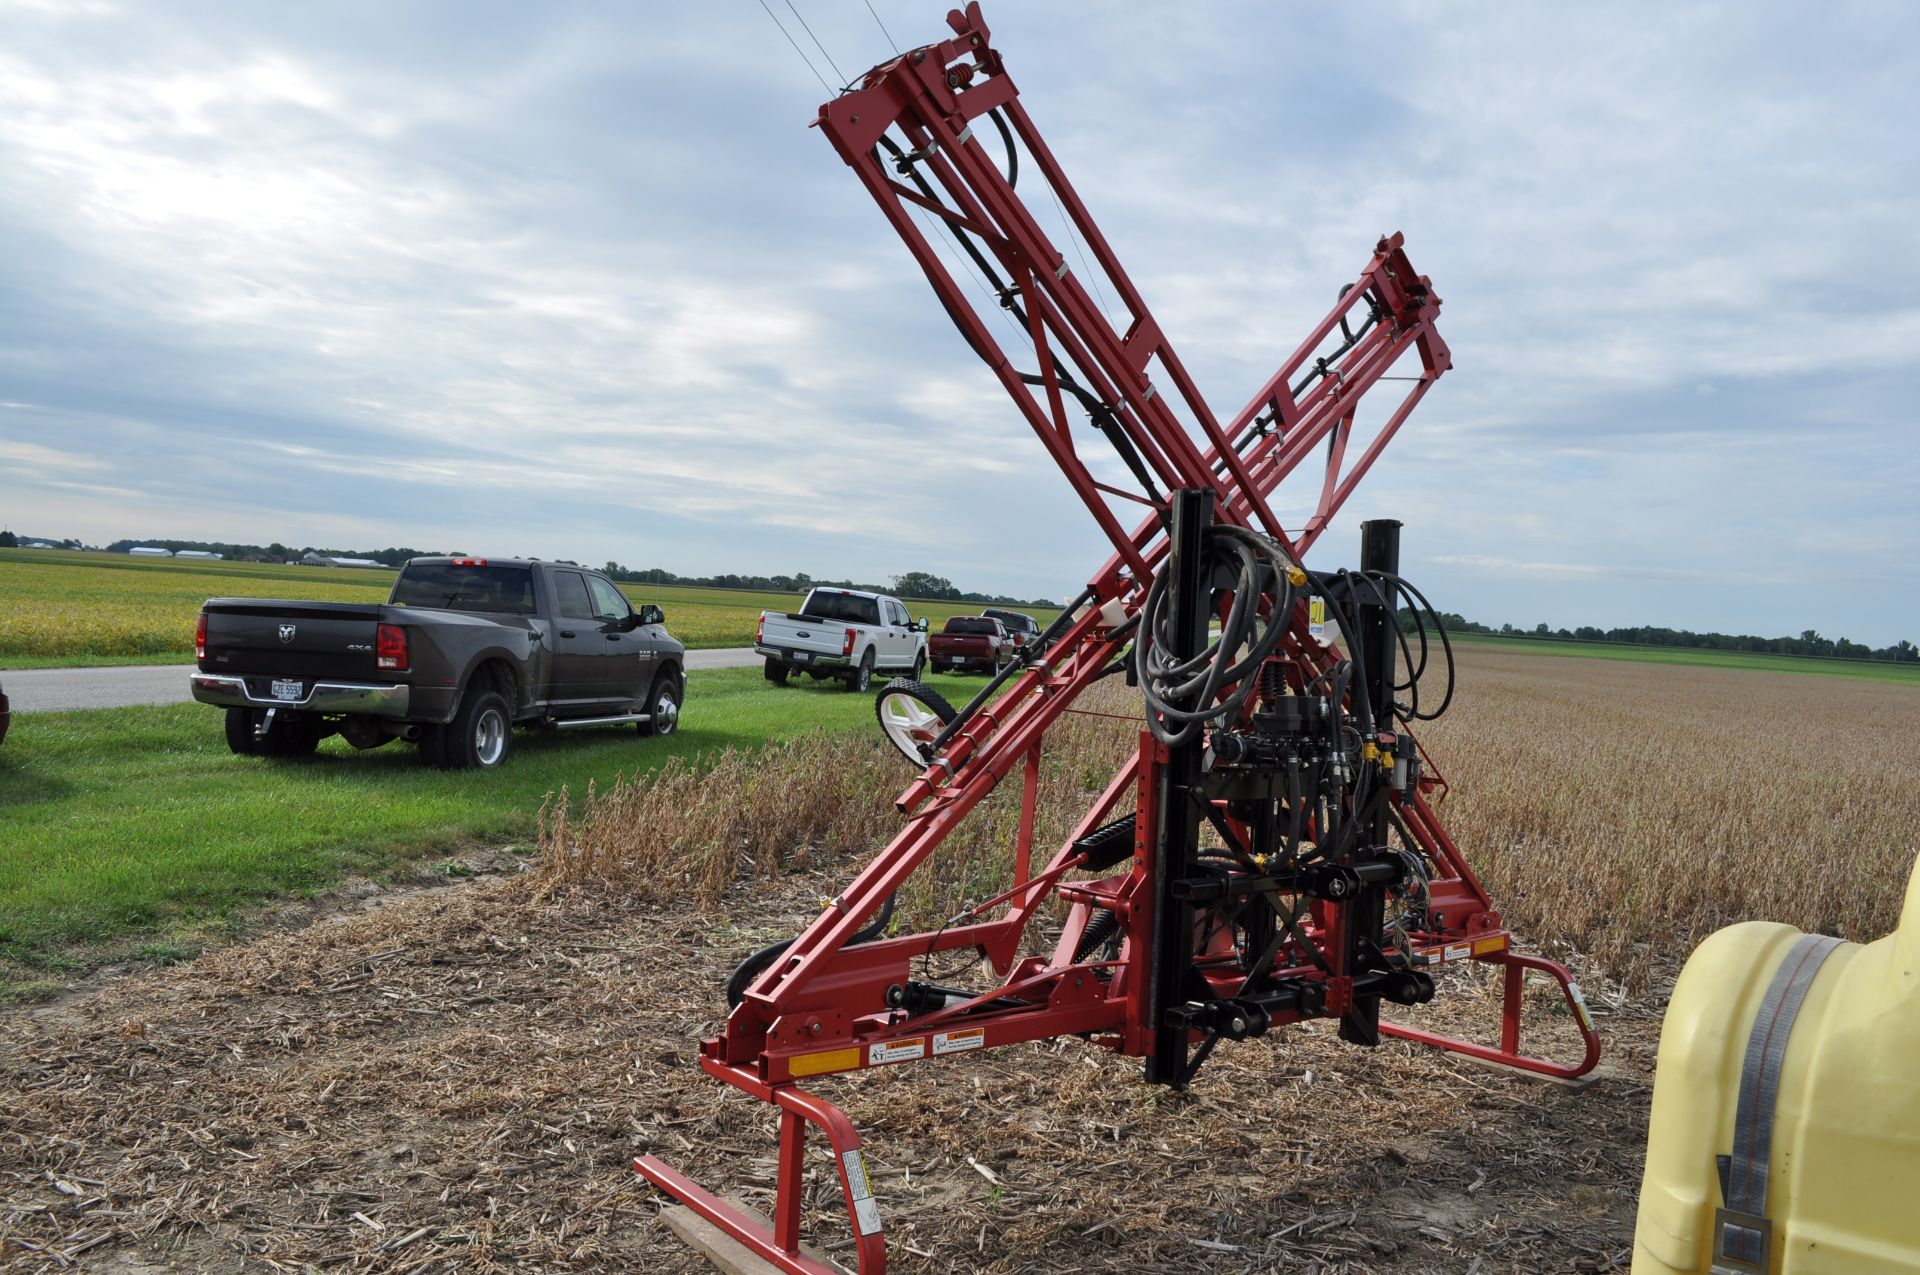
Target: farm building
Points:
(327, 560)
(200, 553)
(144, 551)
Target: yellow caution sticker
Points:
(893, 1051)
(824, 1061)
(959, 1041)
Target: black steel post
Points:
(1177, 839)
(1377, 643)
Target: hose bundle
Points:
(1183, 695)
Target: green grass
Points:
(68, 609)
(1869, 670)
(135, 828)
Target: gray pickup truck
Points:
(462, 650)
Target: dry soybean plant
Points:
(700, 827)
(1627, 810)
(1620, 810)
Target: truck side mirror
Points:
(651, 614)
(920, 625)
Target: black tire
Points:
(906, 710)
(861, 679)
(776, 671)
(433, 746)
(663, 705)
(240, 740)
(480, 735)
(919, 667)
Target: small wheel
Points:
(862, 678)
(776, 671)
(663, 705)
(480, 735)
(240, 740)
(911, 715)
(919, 667)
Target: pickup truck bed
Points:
(463, 650)
(842, 633)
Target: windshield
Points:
(451, 586)
(962, 624)
(821, 605)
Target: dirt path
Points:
(459, 1080)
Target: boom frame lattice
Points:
(822, 1008)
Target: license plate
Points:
(801, 657)
(289, 690)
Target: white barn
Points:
(143, 551)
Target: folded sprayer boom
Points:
(1237, 873)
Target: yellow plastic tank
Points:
(1839, 1180)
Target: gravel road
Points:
(49, 690)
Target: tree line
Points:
(1809, 643)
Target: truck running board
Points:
(565, 722)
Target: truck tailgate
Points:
(804, 633)
(308, 640)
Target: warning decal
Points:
(866, 1213)
(1458, 952)
(956, 1042)
(897, 1051)
(1317, 618)
(1579, 1000)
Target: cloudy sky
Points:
(578, 281)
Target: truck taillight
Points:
(390, 648)
(200, 637)
(848, 648)
(760, 629)
(469, 562)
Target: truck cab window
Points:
(608, 602)
(571, 590)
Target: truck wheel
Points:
(480, 734)
(862, 677)
(910, 716)
(240, 740)
(776, 671)
(919, 667)
(663, 705)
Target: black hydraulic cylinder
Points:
(1177, 839)
(1377, 642)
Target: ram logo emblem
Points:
(286, 632)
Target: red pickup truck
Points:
(969, 642)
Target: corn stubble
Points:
(1620, 812)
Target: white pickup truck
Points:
(843, 633)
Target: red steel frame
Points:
(821, 1009)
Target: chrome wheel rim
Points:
(490, 737)
(666, 714)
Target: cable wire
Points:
(816, 44)
(797, 49)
